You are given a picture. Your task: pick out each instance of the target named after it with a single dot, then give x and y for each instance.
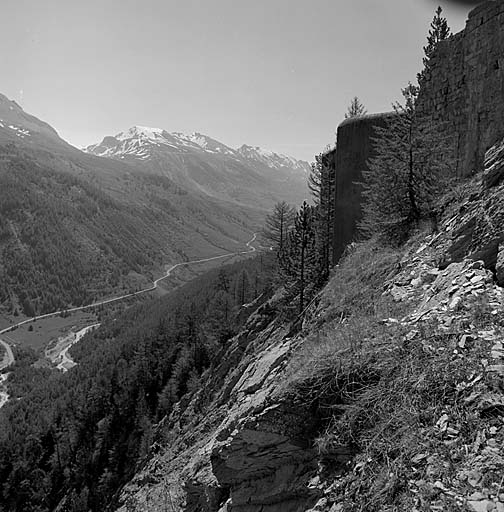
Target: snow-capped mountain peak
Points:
(145, 143)
(198, 162)
(141, 141)
(142, 132)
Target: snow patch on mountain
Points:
(14, 117)
(142, 142)
(20, 132)
(272, 159)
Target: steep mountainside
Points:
(16, 123)
(74, 226)
(64, 240)
(387, 395)
(200, 163)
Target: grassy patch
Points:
(357, 284)
(49, 329)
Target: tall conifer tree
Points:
(412, 164)
(439, 31)
(278, 224)
(321, 183)
(298, 260)
(356, 109)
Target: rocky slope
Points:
(388, 396)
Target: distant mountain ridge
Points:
(273, 159)
(137, 140)
(21, 124)
(201, 163)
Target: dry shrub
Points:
(378, 396)
(391, 417)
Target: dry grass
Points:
(356, 286)
(380, 397)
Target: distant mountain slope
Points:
(200, 163)
(64, 241)
(21, 124)
(75, 226)
(274, 160)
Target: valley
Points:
(76, 228)
(54, 338)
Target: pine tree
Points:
(439, 31)
(242, 288)
(278, 224)
(298, 258)
(322, 186)
(356, 109)
(223, 281)
(407, 174)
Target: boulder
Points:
(493, 176)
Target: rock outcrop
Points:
(499, 266)
(241, 443)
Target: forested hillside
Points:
(79, 435)
(64, 240)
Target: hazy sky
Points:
(275, 73)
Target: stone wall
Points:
(354, 148)
(465, 88)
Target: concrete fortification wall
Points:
(354, 148)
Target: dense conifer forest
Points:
(54, 251)
(81, 434)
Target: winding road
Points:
(8, 358)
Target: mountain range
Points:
(203, 164)
(76, 225)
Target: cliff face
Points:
(465, 87)
(241, 443)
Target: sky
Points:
(275, 73)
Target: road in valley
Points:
(65, 362)
(8, 358)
